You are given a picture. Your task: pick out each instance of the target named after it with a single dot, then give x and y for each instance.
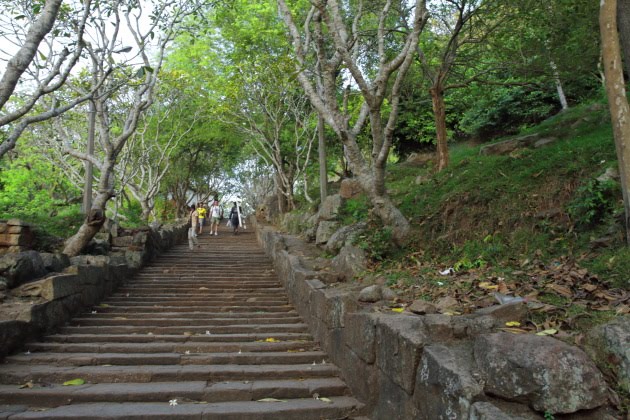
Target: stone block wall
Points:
(15, 236)
(39, 307)
(407, 366)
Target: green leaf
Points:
(74, 382)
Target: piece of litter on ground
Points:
(503, 299)
(447, 272)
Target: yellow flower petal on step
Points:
(399, 310)
(513, 324)
(550, 331)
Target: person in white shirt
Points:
(215, 214)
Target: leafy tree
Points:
(146, 158)
(118, 115)
(47, 53)
(370, 47)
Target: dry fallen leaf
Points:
(486, 285)
(28, 385)
(562, 290)
(271, 400)
(514, 330)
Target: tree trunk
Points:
(617, 100)
(18, 64)
(323, 173)
(96, 217)
(384, 208)
(439, 114)
(556, 77)
(623, 22)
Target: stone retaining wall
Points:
(15, 236)
(405, 366)
(39, 307)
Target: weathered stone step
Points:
(18, 374)
(170, 333)
(182, 322)
(229, 286)
(212, 329)
(170, 306)
(105, 335)
(292, 409)
(200, 290)
(198, 297)
(191, 308)
(52, 395)
(243, 358)
(103, 312)
(170, 347)
(237, 305)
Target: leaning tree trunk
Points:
(439, 114)
(556, 77)
(617, 100)
(95, 218)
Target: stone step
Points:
(40, 374)
(144, 307)
(117, 359)
(229, 332)
(290, 409)
(212, 329)
(107, 336)
(183, 322)
(102, 313)
(169, 347)
(198, 391)
(199, 298)
(209, 293)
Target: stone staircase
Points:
(203, 334)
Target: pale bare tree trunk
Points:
(439, 113)
(556, 78)
(323, 173)
(617, 100)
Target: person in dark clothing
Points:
(235, 217)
